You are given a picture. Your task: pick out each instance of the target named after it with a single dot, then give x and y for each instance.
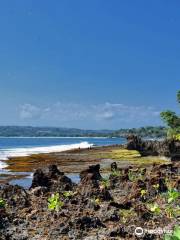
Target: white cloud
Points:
(102, 113)
(29, 111)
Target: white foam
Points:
(22, 152)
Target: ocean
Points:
(23, 146)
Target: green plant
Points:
(172, 120)
(175, 235)
(54, 202)
(143, 192)
(105, 183)
(168, 183)
(154, 208)
(68, 194)
(169, 210)
(156, 186)
(96, 201)
(172, 195)
(2, 203)
(132, 176)
(127, 214)
(116, 173)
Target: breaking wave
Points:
(22, 152)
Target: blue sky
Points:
(88, 64)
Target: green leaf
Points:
(177, 232)
(167, 237)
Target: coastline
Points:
(74, 161)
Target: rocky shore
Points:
(167, 148)
(96, 208)
(121, 192)
(75, 161)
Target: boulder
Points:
(91, 174)
(52, 179)
(168, 148)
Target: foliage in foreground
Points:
(175, 235)
(2, 203)
(54, 202)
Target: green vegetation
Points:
(25, 131)
(68, 194)
(2, 203)
(116, 173)
(54, 202)
(175, 235)
(143, 192)
(132, 176)
(172, 120)
(154, 208)
(95, 201)
(127, 214)
(172, 195)
(105, 183)
(149, 131)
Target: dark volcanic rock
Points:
(119, 232)
(53, 179)
(40, 179)
(91, 174)
(93, 210)
(167, 148)
(15, 196)
(113, 166)
(89, 222)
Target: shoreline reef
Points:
(136, 193)
(135, 152)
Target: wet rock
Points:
(89, 222)
(54, 172)
(53, 180)
(91, 174)
(113, 166)
(40, 179)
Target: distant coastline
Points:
(59, 132)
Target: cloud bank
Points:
(105, 114)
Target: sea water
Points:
(25, 146)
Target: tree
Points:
(170, 118)
(172, 121)
(178, 96)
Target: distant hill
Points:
(28, 131)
